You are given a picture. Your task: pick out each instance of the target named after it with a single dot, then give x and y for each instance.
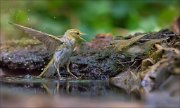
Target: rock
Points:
(95, 60)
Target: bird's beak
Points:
(82, 33)
(82, 39)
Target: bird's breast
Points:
(62, 56)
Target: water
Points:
(99, 89)
(24, 90)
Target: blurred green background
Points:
(118, 17)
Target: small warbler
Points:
(62, 48)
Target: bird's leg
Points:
(57, 68)
(42, 73)
(45, 70)
(68, 70)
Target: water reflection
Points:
(75, 88)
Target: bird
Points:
(62, 53)
(61, 48)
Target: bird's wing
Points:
(51, 42)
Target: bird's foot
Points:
(61, 78)
(40, 75)
(75, 76)
(68, 70)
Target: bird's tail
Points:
(49, 70)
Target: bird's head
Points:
(74, 34)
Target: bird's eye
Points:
(77, 33)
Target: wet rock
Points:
(128, 81)
(95, 60)
(156, 74)
(164, 33)
(98, 66)
(24, 59)
(90, 63)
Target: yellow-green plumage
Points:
(61, 48)
(60, 59)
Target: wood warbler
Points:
(62, 48)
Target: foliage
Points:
(91, 16)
